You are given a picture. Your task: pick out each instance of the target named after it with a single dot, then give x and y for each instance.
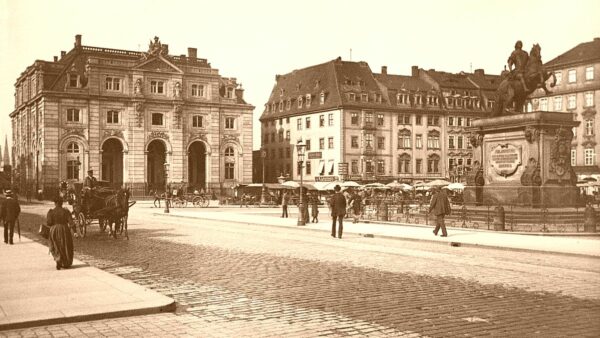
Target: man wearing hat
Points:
(90, 181)
(9, 212)
(440, 207)
(338, 211)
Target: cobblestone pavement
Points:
(236, 280)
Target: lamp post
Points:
(300, 147)
(166, 187)
(263, 193)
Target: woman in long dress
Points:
(61, 240)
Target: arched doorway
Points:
(112, 161)
(157, 156)
(197, 165)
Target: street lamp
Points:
(263, 193)
(300, 147)
(166, 187)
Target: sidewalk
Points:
(34, 293)
(573, 245)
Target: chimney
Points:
(384, 70)
(62, 54)
(192, 53)
(479, 72)
(77, 40)
(415, 71)
(239, 93)
(55, 58)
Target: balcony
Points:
(368, 151)
(368, 126)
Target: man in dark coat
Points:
(9, 213)
(338, 211)
(440, 207)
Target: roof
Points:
(583, 52)
(400, 82)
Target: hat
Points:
(58, 199)
(90, 171)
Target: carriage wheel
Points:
(204, 203)
(197, 201)
(178, 202)
(81, 224)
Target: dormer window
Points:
(322, 98)
(229, 93)
(280, 106)
(288, 104)
(351, 96)
(378, 98)
(73, 80)
(308, 100)
(364, 97)
(299, 101)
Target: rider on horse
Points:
(518, 58)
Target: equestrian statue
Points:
(526, 74)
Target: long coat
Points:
(338, 205)
(440, 204)
(10, 210)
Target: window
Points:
(197, 90)
(433, 120)
(433, 164)
(157, 119)
(73, 170)
(589, 156)
(381, 142)
(73, 80)
(308, 122)
(369, 141)
(589, 127)
(369, 167)
(330, 142)
(450, 141)
(419, 141)
(354, 119)
(459, 142)
(230, 123)
(573, 157)
(330, 118)
(433, 141)
(321, 143)
(418, 120)
(280, 136)
(73, 115)
(351, 96)
(322, 98)
(557, 103)
(404, 139)
(380, 119)
(378, 98)
(369, 119)
(157, 87)
(544, 104)
(459, 121)
(589, 99)
(229, 171)
(589, 73)
(419, 166)
(321, 120)
(308, 167)
(381, 167)
(404, 164)
(330, 166)
(353, 141)
(230, 163)
(307, 145)
(404, 119)
(72, 148)
(288, 104)
(308, 100)
(468, 122)
(287, 135)
(572, 76)
(558, 75)
(299, 124)
(364, 97)
(112, 117)
(299, 102)
(229, 93)
(113, 83)
(280, 106)
(354, 167)
(450, 120)
(571, 102)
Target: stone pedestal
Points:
(523, 159)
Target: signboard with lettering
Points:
(315, 155)
(343, 168)
(505, 159)
(326, 178)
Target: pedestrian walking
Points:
(440, 207)
(314, 208)
(356, 206)
(285, 200)
(60, 238)
(9, 213)
(338, 211)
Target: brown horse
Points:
(511, 92)
(118, 207)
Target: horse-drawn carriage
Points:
(110, 207)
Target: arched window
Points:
(404, 138)
(229, 163)
(404, 164)
(72, 148)
(433, 164)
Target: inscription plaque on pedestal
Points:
(505, 159)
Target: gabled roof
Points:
(582, 53)
(450, 80)
(403, 82)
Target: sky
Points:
(255, 40)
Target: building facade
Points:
(364, 126)
(577, 91)
(125, 114)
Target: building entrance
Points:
(112, 161)
(197, 166)
(155, 170)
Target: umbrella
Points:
(406, 187)
(351, 184)
(292, 184)
(456, 186)
(438, 183)
(375, 185)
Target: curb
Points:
(451, 243)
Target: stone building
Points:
(577, 91)
(363, 126)
(125, 114)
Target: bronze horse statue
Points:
(511, 92)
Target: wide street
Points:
(232, 279)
